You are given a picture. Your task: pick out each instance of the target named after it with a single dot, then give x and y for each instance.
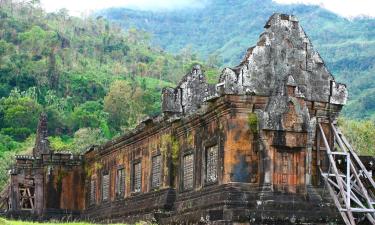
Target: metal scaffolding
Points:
(350, 185)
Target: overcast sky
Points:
(346, 8)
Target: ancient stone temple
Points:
(46, 184)
(243, 150)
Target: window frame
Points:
(120, 182)
(133, 176)
(93, 191)
(205, 163)
(183, 187)
(152, 173)
(106, 173)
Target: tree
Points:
(20, 115)
(7, 144)
(360, 134)
(123, 105)
(86, 137)
(214, 60)
(89, 114)
(58, 144)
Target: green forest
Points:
(96, 80)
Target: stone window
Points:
(120, 182)
(211, 164)
(156, 171)
(188, 172)
(137, 177)
(105, 186)
(92, 197)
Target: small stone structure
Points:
(243, 150)
(46, 184)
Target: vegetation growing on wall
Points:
(252, 122)
(60, 176)
(175, 147)
(90, 169)
(190, 138)
(164, 142)
(170, 150)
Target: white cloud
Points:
(79, 7)
(346, 8)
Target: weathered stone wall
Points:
(63, 183)
(189, 94)
(247, 155)
(151, 139)
(139, 148)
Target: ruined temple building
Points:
(247, 149)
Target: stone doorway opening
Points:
(27, 195)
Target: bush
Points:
(360, 134)
(89, 114)
(18, 134)
(7, 143)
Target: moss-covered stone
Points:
(175, 147)
(252, 122)
(60, 175)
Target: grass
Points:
(17, 222)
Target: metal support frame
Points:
(351, 187)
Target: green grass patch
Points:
(18, 222)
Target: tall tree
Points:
(123, 104)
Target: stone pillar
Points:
(39, 194)
(310, 143)
(266, 164)
(14, 193)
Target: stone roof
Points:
(283, 53)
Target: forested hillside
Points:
(224, 29)
(93, 79)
